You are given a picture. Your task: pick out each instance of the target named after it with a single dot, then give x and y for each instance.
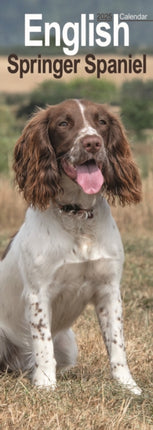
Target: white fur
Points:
(57, 264)
(87, 129)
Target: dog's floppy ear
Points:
(123, 179)
(35, 162)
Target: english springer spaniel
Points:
(68, 252)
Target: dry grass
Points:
(12, 206)
(138, 219)
(86, 397)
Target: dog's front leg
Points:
(109, 312)
(39, 317)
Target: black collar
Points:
(76, 210)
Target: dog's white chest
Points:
(85, 248)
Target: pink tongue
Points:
(89, 177)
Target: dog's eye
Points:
(102, 121)
(63, 124)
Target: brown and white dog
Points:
(68, 252)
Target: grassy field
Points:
(86, 397)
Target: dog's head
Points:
(83, 140)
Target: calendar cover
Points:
(102, 51)
(51, 51)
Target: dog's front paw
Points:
(130, 385)
(44, 379)
(133, 387)
(124, 377)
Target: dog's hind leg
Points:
(65, 349)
